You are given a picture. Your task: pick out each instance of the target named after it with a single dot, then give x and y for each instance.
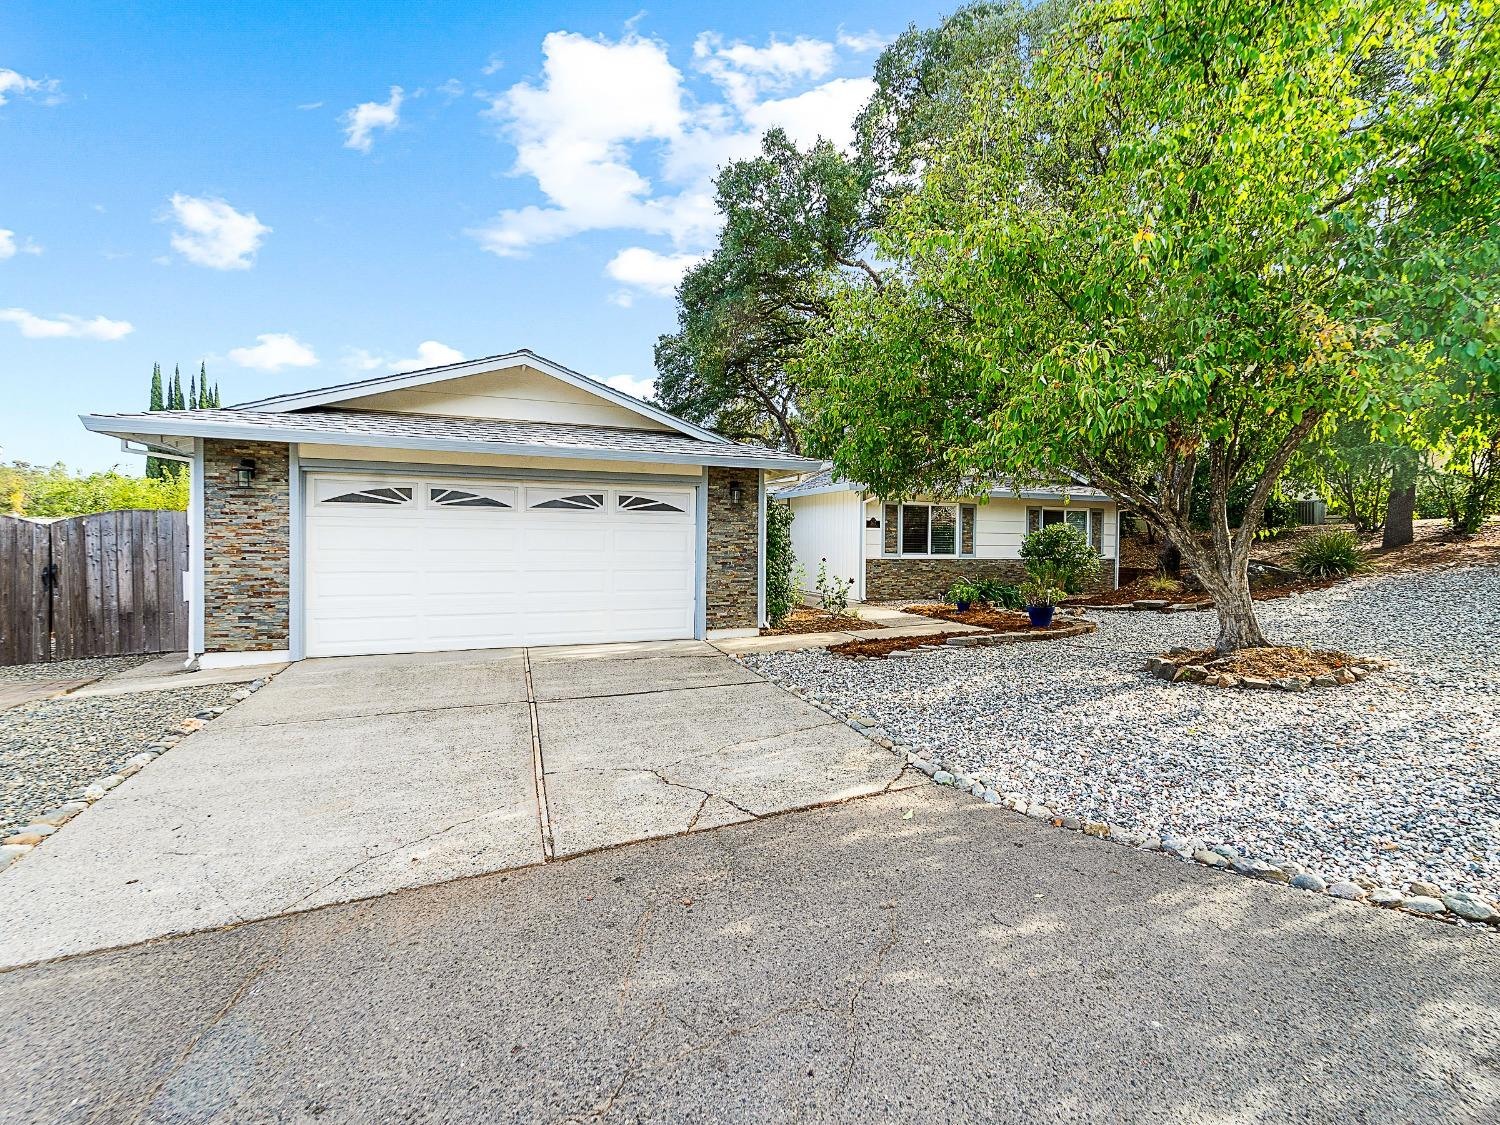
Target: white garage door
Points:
(422, 565)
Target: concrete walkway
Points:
(348, 778)
(916, 957)
(171, 673)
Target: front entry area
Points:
(428, 564)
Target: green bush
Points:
(999, 594)
(781, 585)
(30, 490)
(1329, 555)
(1071, 561)
(963, 590)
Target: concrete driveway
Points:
(915, 957)
(348, 778)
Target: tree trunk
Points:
(1169, 559)
(1228, 581)
(1401, 504)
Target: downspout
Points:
(860, 510)
(296, 563)
(194, 583)
(1118, 542)
(760, 549)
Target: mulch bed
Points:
(994, 620)
(887, 645)
(1282, 667)
(809, 620)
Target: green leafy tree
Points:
(1180, 238)
(795, 218)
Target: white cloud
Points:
(657, 274)
(212, 233)
(494, 64)
(9, 247)
(745, 73)
(63, 325)
(614, 139)
(359, 359)
(430, 353)
(310, 105)
(366, 117)
(640, 388)
(862, 41)
(451, 89)
(13, 85)
(274, 351)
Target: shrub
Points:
(833, 592)
(29, 490)
(1062, 547)
(999, 594)
(1162, 584)
(1043, 588)
(1329, 555)
(781, 586)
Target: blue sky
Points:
(301, 194)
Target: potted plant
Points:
(964, 594)
(1041, 592)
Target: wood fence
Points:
(108, 584)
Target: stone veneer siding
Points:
(246, 548)
(733, 593)
(895, 579)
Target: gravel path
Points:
(72, 669)
(1393, 779)
(50, 750)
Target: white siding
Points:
(516, 393)
(1000, 526)
(494, 461)
(826, 526)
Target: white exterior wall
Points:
(517, 394)
(1000, 525)
(827, 526)
(495, 461)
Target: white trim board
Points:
(302, 400)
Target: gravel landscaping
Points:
(51, 750)
(1387, 781)
(72, 669)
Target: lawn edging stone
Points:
(1419, 899)
(22, 842)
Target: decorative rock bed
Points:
(1420, 898)
(1385, 793)
(21, 842)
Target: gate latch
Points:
(49, 576)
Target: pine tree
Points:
(176, 402)
(155, 467)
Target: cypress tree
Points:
(203, 399)
(218, 402)
(155, 467)
(176, 402)
(192, 392)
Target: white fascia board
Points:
(303, 400)
(292, 435)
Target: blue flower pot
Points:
(1041, 615)
(963, 606)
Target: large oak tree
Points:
(1188, 236)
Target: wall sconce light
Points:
(736, 493)
(245, 473)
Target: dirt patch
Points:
(809, 620)
(887, 645)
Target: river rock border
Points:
(24, 841)
(1165, 668)
(1420, 899)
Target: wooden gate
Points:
(108, 584)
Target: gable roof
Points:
(341, 392)
(389, 430)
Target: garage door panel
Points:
(423, 577)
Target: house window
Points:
(929, 529)
(1075, 517)
(561, 499)
(444, 497)
(375, 495)
(630, 502)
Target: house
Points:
(488, 503)
(917, 548)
